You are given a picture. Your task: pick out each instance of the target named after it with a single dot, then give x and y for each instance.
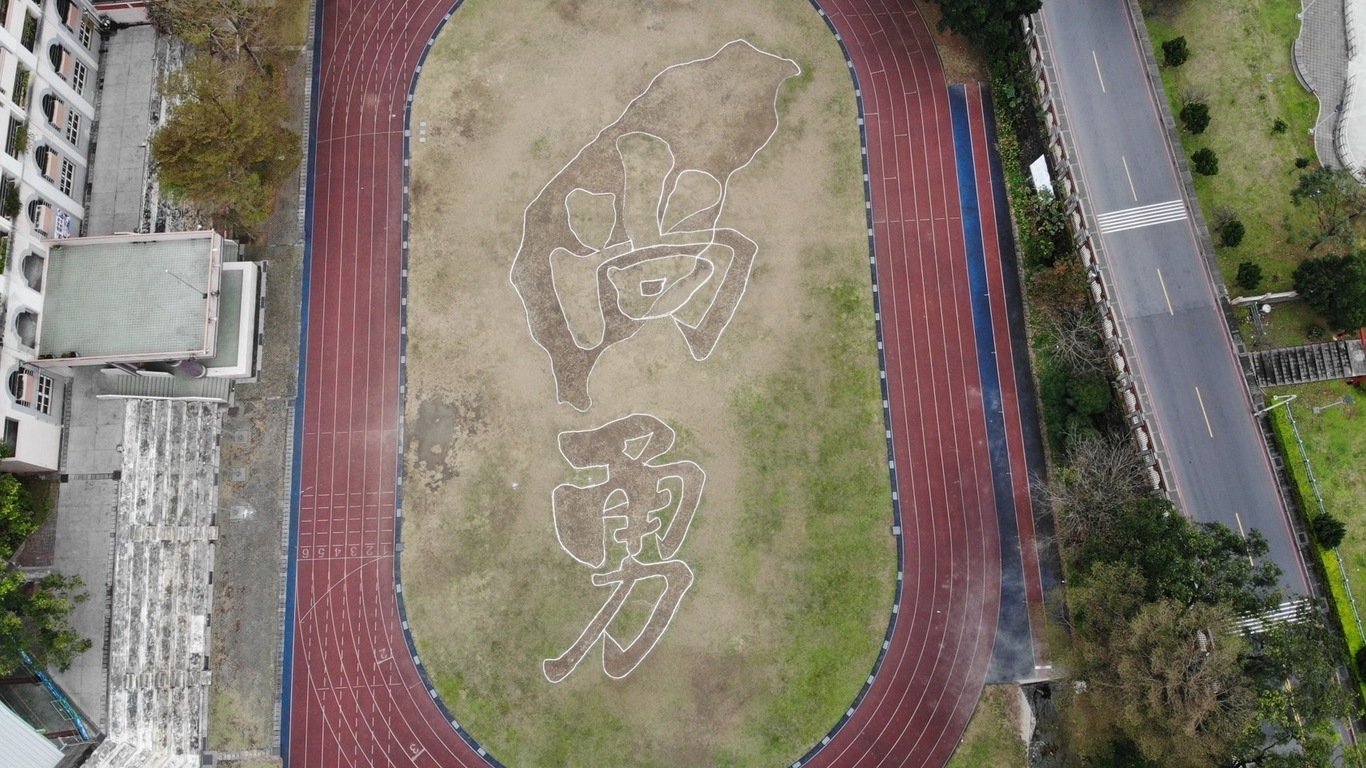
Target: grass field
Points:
(1337, 451)
(993, 737)
(1334, 446)
(1240, 64)
(790, 546)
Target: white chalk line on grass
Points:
(659, 238)
(713, 213)
(643, 440)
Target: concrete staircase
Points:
(166, 387)
(161, 594)
(1313, 362)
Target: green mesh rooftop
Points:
(230, 323)
(131, 297)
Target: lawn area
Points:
(792, 568)
(1334, 444)
(1240, 66)
(993, 737)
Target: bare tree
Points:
(1106, 474)
(1075, 341)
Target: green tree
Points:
(1157, 675)
(1183, 561)
(1186, 701)
(1294, 665)
(986, 23)
(1328, 530)
(1196, 116)
(1205, 162)
(17, 515)
(1249, 275)
(1175, 52)
(35, 617)
(1338, 200)
(225, 149)
(1335, 287)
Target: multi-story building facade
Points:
(49, 53)
(49, 57)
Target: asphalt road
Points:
(1158, 280)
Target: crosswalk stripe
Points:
(1285, 612)
(1142, 216)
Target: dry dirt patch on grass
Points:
(717, 241)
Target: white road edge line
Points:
(1132, 191)
(1098, 75)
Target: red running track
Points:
(934, 668)
(355, 696)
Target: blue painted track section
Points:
(1013, 657)
(292, 567)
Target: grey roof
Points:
(24, 748)
(141, 296)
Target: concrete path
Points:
(87, 505)
(1320, 56)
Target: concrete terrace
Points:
(161, 597)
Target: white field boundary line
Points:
(1142, 216)
(700, 240)
(661, 216)
(648, 430)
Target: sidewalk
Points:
(87, 508)
(1320, 58)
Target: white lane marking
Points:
(1142, 216)
(1132, 191)
(1239, 518)
(1203, 412)
(1098, 75)
(1164, 293)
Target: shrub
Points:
(1205, 162)
(10, 204)
(1361, 661)
(1175, 52)
(1301, 162)
(1196, 116)
(1314, 332)
(1328, 530)
(1249, 275)
(1231, 233)
(1279, 126)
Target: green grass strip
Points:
(1297, 465)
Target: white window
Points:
(67, 179)
(87, 32)
(32, 390)
(78, 73)
(73, 128)
(43, 401)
